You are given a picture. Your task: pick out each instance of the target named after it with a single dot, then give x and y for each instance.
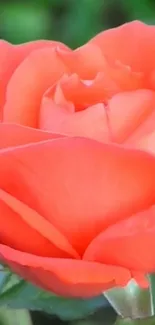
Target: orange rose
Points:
(77, 185)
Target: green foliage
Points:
(140, 9)
(14, 317)
(18, 294)
(70, 21)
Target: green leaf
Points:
(18, 294)
(152, 291)
(14, 317)
(129, 321)
(130, 301)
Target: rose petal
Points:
(6, 68)
(141, 279)
(65, 277)
(123, 76)
(86, 61)
(12, 55)
(145, 129)
(17, 234)
(79, 185)
(82, 93)
(132, 44)
(15, 135)
(90, 123)
(26, 48)
(129, 243)
(37, 223)
(146, 143)
(36, 73)
(128, 111)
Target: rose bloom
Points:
(77, 164)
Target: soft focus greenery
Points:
(71, 21)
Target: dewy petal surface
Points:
(81, 186)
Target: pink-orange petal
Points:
(132, 44)
(6, 67)
(38, 223)
(65, 277)
(89, 60)
(81, 186)
(141, 279)
(127, 111)
(36, 73)
(18, 234)
(12, 55)
(146, 142)
(129, 243)
(90, 123)
(84, 93)
(123, 76)
(25, 49)
(86, 60)
(145, 129)
(14, 135)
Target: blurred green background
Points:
(73, 22)
(70, 21)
